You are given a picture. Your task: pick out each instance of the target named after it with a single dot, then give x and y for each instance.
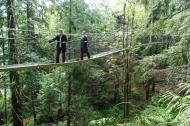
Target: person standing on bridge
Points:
(84, 45)
(61, 45)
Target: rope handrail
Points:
(104, 38)
(99, 55)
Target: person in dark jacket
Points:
(61, 45)
(84, 45)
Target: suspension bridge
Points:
(100, 45)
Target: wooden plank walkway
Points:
(41, 65)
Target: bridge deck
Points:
(40, 65)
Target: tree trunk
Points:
(31, 34)
(14, 76)
(126, 89)
(153, 84)
(126, 69)
(5, 103)
(116, 86)
(69, 101)
(147, 90)
(33, 106)
(69, 79)
(30, 15)
(16, 101)
(188, 61)
(5, 88)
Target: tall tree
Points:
(126, 66)
(14, 76)
(3, 63)
(30, 15)
(31, 34)
(69, 78)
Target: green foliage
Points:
(155, 116)
(51, 94)
(171, 109)
(112, 112)
(30, 124)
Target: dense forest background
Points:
(147, 85)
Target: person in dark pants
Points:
(61, 45)
(84, 45)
